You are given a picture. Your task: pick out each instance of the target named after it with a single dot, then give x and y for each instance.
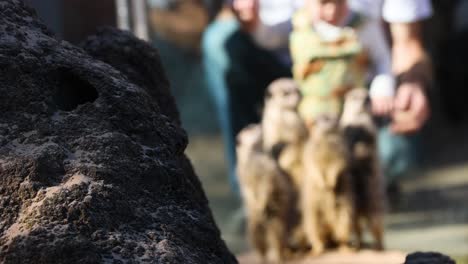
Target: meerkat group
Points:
(310, 186)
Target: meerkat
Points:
(361, 137)
(284, 136)
(283, 128)
(268, 195)
(326, 195)
(280, 121)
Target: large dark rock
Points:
(92, 164)
(136, 59)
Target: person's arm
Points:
(411, 103)
(271, 36)
(382, 87)
(407, 48)
(411, 106)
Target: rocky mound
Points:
(138, 61)
(92, 164)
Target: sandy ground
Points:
(364, 257)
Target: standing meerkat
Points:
(361, 137)
(283, 128)
(267, 193)
(284, 135)
(327, 201)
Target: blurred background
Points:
(432, 208)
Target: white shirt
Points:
(393, 11)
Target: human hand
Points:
(247, 12)
(382, 105)
(411, 108)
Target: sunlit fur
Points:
(326, 195)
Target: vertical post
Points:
(123, 20)
(140, 25)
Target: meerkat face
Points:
(285, 93)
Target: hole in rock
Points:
(72, 91)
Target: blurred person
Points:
(238, 69)
(237, 51)
(216, 64)
(333, 50)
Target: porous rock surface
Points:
(138, 61)
(92, 164)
